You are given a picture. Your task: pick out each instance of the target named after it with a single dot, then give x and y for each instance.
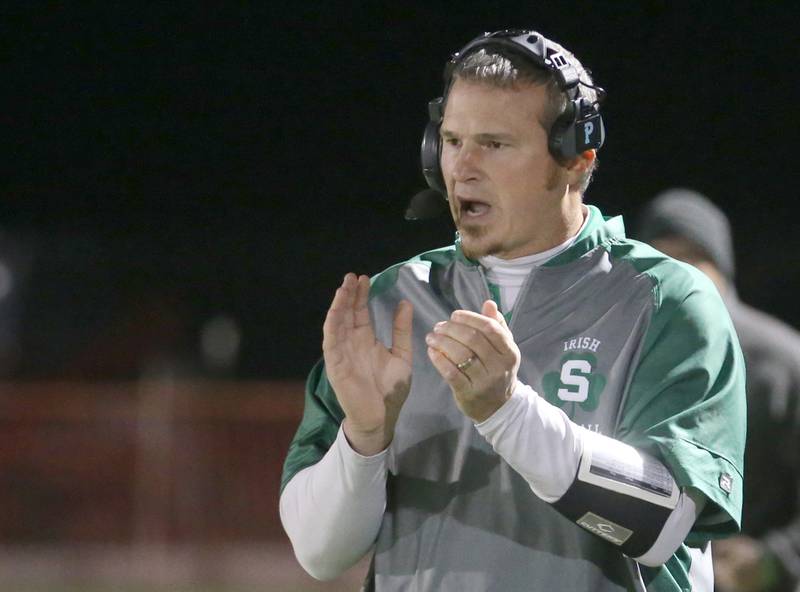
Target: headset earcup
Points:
(579, 128)
(429, 155)
(561, 141)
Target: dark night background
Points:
(168, 164)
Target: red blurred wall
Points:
(186, 462)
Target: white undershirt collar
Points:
(509, 274)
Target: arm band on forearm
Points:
(620, 494)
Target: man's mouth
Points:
(472, 208)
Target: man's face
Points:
(503, 185)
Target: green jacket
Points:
(665, 375)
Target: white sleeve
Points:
(540, 442)
(332, 510)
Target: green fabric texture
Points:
(682, 390)
(699, 375)
(674, 575)
(322, 417)
(598, 231)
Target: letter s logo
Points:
(577, 380)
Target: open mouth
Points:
(471, 208)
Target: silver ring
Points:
(466, 363)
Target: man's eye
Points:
(495, 145)
(452, 141)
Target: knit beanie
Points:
(688, 214)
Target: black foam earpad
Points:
(430, 150)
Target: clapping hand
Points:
(371, 381)
(476, 355)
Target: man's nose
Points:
(465, 167)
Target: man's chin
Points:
(476, 242)
(475, 249)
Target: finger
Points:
(470, 337)
(336, 309)
(344, 296)
(457, 353)
(361, 299)
(340, 317)
(490, 310)
(496, 334)
(455, 350)
(401, 330)
(457, 380)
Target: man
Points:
(544, 405)
(766, 557)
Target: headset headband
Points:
(527, 44)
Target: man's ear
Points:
(577, 166)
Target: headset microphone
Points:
(425, 205)
(430, 203)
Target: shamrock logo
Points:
(575, 383)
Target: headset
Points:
(579, 128)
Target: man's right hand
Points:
(371, 382)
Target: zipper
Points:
(487, 295)
(523, 292)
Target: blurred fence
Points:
(157, 483)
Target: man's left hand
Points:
(476, 355)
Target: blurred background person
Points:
(766, 556)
